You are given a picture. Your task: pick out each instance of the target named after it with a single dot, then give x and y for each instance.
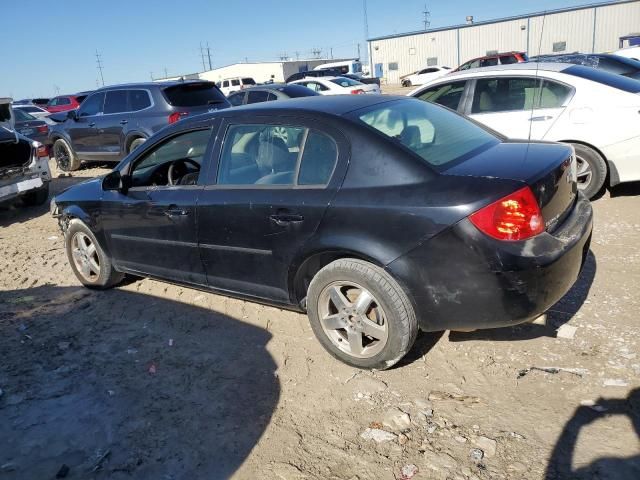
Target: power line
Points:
(209, 55)
(204, 67)
(99, 63)
(426, 17)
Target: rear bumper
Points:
(462, 279)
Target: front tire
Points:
(66, 158)
(36, 197)
(360, 314)
(406, 83)
(591, 170)
(89, 262)
(135, 143)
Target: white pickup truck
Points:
(24, 163)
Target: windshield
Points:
(345, 82)
(610, 79)
(439, 136)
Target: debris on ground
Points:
(397, 420)
(487, 445)
(378, 435)
(615, 382)
(408, 472)
(566, 331)
(574, 371)
(476, 454)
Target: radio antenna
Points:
(538, 96)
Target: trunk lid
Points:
(15, 152)
(549, 169)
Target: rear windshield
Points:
(345, 82)
(295, 91)
(610, 79)
(194, 95)
(22, 116)
(439, 136)
(248, 81)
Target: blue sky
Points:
(136, 38)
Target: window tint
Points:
(194, 95)
(508, 59)
(248, 81)
(552, 95)
(22, 116)
(272, 97)
(92, 105)
(489, 62)
(260, 155)
(116, 102)
(257, 96)
(448, 94)
(440, 137)
(225, 83)
(471, 64)
(517, 94)
(235, 83)
(190, 145)
(295, 91)
(605, 78)
(139, 100)
(64, 101)
(345, 82)
(236, 99)
(318, 159)
(53, 102)
(315, 86)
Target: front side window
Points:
(257, 96)
(440, 137)
(183, 152)
(235, 83)
(276, 155)
(92, 105)
(116, 102)
(64, 101)
(448, 94)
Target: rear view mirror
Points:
(116, 181)
(72, 115)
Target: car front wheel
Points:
(89, 262)
(360, 314)
(591, 170)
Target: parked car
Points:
(115, 120)
(7, 119)
(62, 103)
(337, 86)
(267, 93)
(41, 102)
(229, 85)
(24, 168)
(595, 111)
(507, 58)
(602, 61)
(629, 52)
(31, 127)
(33, 110)
(332, 72)
(423, 76)
(384, 215)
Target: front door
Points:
(273, 184)
(152, 229)
(110, 125)
(82, 131)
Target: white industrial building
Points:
(261, 72)
(591, 28)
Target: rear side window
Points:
(504, 94)
(116, 102)
(257, 96)
(139, 100)
(225, 83)
(440, 137)
(235, 83)
(318, 159)
(448, 94)
(489, 62)
(605, 78)
(236, 99)
(64, 101)
(295, 91)
(345, 82)
(508, 59)
(193, 95)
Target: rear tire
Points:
(360, 314)
(66, 158)
(89, 262)
(592, 170)
(36, 197)
(406, 83)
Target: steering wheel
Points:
(171, 174)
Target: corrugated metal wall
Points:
(592, 29)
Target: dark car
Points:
(380, 216)
(602, 61)
(31, 127)
(114, 120)
(269, 92)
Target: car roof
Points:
(163, 84)
(524, 66)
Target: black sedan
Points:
(31, 127)
(268, 93)
(378, 216)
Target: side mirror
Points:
(116, 181)
(72, 115)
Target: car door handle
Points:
(284, 219)
(92, 124)
(540, 119)
(124, 122)
(175, 211)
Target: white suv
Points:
(229, 85)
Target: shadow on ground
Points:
(560, 466)
(117, 384)
(557, 315)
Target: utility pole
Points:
(366, 24)
(151, 75)
(56, 89)
(427, 17)
(166, 75)
(209, 55)
(204, 67)
(331, 52)
(99, 63)
(297, 55)
(358, 50)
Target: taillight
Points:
(514, 217)
(175, 116)
(357, 91)
(42, 151)
(43, 129)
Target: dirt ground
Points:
(155, 381)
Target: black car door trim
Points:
(209, 246)
(257, 251)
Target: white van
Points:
(229, 85)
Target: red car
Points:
(62, 103)
(491, 60)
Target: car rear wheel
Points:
(136, 143)
(591, 170)
(360, 314)
(66, 159)
(406, 83)
(89, 262)
(36, 197)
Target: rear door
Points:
(275, 179)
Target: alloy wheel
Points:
(584, 173)
(85, 256)
(353, 319)
(62, 155)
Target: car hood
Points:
(90, 190)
